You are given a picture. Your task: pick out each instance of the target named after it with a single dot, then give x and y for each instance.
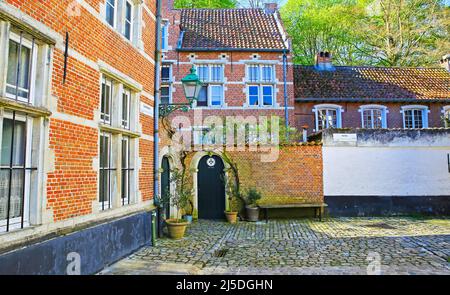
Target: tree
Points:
(258, 3)
(406, 32)
(369, 32)
(326, 25)
(205, 3)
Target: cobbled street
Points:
(300, 246)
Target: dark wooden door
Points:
(165, 183)
(211, 188)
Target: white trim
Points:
(119, 76)
(382, 108)
(422, 108)
(131, 22)
(339, 110)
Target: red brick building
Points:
(76, 122)
(370, 97)
(243, 59)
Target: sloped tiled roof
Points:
(371, 83)
(234, 29)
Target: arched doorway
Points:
(165, 183)
(211, 188)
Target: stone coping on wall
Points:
(426, 137)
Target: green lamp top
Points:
(192, 77)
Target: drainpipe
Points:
(286, 107)
(156, 105)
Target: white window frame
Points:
(126, 124)
(170, 66)
(261, 96)
(371, 107)
(209, 83)
(339, 110)
(169, 86)
(130, 178)
(15, 223)
(260, 79)
(125, 21)
(114, 7)
(33, 60)
(210, 96)
(107, 118)
(422, 108)
(107, 204)
(446, 114)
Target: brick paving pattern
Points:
(299, 246)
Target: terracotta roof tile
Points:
(348, 83)
(230, 29)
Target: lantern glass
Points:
(191, 85)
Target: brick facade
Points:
(67, 155)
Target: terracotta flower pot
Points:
(231, 216)
(176, 228)
(252, 213)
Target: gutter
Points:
(228, 49)
(157, 95)
(372, 100)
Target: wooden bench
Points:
(318, 208)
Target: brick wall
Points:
(72, 174)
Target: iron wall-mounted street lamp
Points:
(191, 86)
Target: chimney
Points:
(270, 8)
(445, 62)
(323, 61)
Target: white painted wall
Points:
(387, 163)
(386, 171)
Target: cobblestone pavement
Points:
(300, 246)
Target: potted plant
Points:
(188, 210)
(232, 195)
(251, 198)
(179, 199)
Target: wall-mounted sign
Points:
(146, 109)
(345, 137)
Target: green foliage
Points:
(181, 196)
(369, 32)
(252, 196)
(205, 3)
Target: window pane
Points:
(216, 95)
(110, 5)
(216, 73)
(19, 142)
(253, 73)
(267, 74)
(106, 101)
(125, 107)
(125, 172)
(203, 73)
(165, 95)
(408, 119)
(203, 97)
(267, 95)
(253, 95)
(104, 172)
(165, 73)
(418, 122)
(25, 63)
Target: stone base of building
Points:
(88, 250)
(387, 205)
